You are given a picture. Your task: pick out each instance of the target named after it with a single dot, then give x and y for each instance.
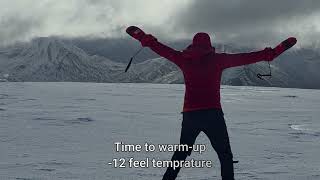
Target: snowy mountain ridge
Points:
(49, 59)
(52, 59)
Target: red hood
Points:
(201, 46)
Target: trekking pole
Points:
(138, 34)
(260, 76)
(135, 54)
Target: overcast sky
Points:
(248, 22)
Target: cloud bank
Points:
(252, 21)
(245, 22)
(22, 20)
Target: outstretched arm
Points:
(268, 54)
(147, 40)
(232, 60)
(161, 49)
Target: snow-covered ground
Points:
(68, 131)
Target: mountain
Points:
(50, 59)
(55, 59)
(302, 66)
(121, 49)
(247, 76)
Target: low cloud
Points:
(251, 22)
(247, 22)
(22, 20)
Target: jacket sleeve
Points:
(166, 52)
(232, 60)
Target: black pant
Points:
(212, 123)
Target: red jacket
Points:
(202, 69)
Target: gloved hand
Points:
(147, 40)
(269, 54)
(135, 32)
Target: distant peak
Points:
(46, 41)
(52, 44)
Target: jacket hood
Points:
(201, 46)
(202, 40)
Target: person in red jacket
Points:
(202, 68)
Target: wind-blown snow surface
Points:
(67, 130)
